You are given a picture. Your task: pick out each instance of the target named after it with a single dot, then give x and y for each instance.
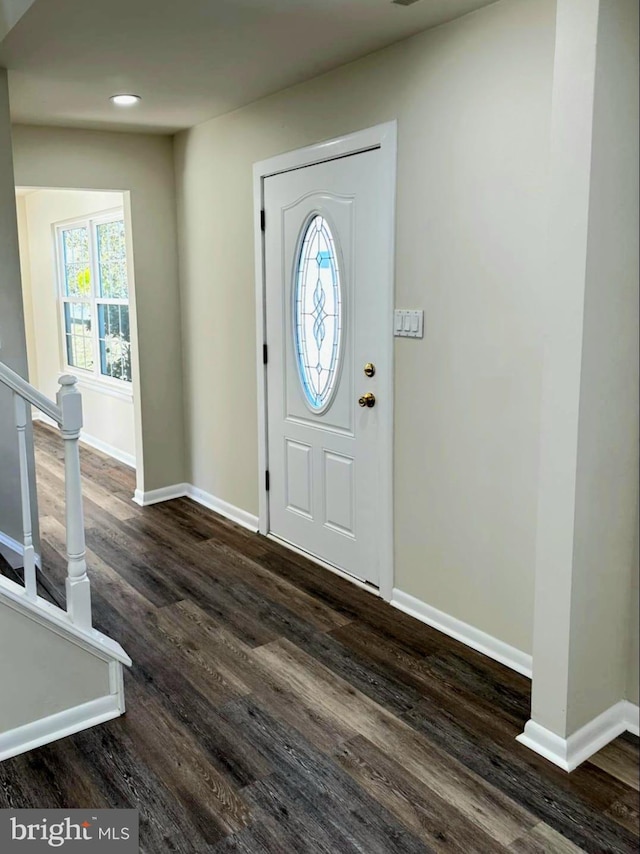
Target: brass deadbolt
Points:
(369, 369)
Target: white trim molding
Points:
(92, 441)
(12, 551)
(60, 725)
(85, 715)
(218, 505)
(632, 717)
(211, 502)
(469, 635)
(58, 621)
(102, 385)
(109, 450)
(165, 493)
(567, 753)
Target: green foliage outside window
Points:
(97, 314)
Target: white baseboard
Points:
(13, 551)
(467, 634)
(632, 717)
(36, 415)
(165, 493)
(60, 725)
(572, 751)
(110, 450)
(92, 441)
(187, 490)
(229, 511)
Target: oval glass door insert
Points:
(317, 313)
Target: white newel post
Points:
(29, 556)
(77, 583)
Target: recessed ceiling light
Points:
(125, 100)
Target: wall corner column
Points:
(588, 447)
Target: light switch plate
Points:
(408, 323)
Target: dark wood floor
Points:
(273, 707)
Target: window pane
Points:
(77, 328)
(318, 313)
(77, 274)
(115, 341)
(112, 260)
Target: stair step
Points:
(8, 571)
(45, 588)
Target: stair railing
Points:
(67, 413)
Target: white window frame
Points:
(87, 377)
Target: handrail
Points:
(68, 415)
(20, 386)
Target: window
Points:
(317, 314)
(94, 292)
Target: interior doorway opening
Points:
(78, 293)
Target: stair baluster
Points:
(29, 556)
(77, 583)
(67, 414)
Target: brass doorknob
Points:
(367, 399)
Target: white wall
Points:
(142, 166)
(25, 275)
(472, 99)
(589, 437)
(44, 673)
(607, 464)
(108, 415)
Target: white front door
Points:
(328, 327)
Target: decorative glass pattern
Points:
(317, 313)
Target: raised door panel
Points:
(298, 478)
(339, 493)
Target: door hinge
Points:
(262, 220)
(265, 354)
(266, 480)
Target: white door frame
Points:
(384, 138)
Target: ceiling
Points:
(10, 13)
(190, 60)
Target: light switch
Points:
(408, 323)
